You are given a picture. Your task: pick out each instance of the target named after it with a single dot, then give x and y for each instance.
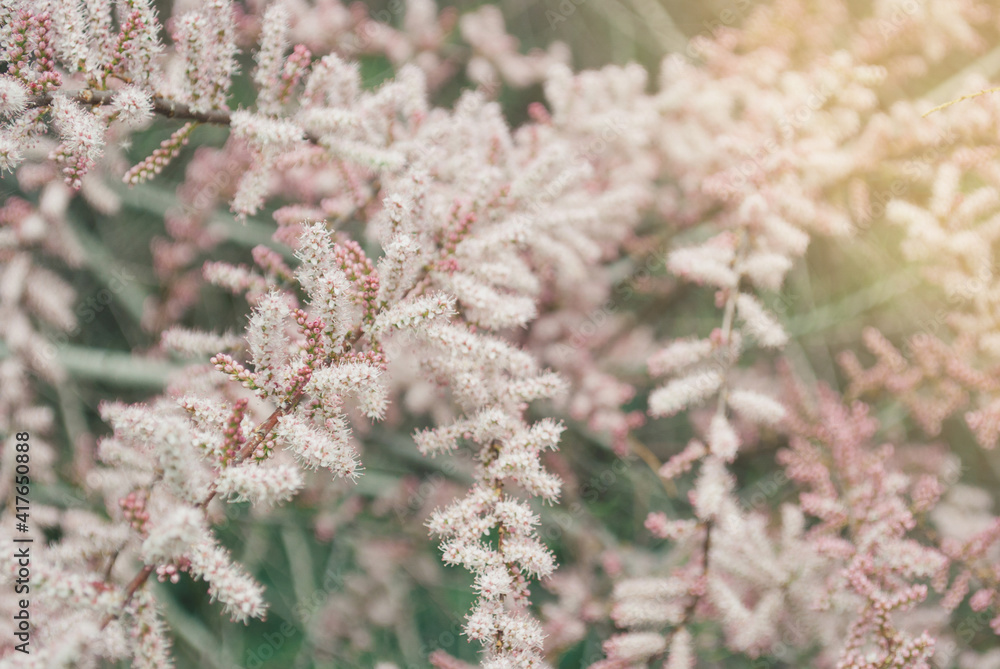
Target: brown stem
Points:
(111, 565)
(693, 604)
(161, 106)
(130, 591)
(964, 97)
(728, 317)
(494, 453)
(259, 434)
(654, 463)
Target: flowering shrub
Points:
(399, 344)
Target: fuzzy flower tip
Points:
(269, 485)
(13, 97)
(683, 392)
(756, 407)
(722, 438)
(132, 106)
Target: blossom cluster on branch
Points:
(633, 260)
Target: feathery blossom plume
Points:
(679, 354)
(723, 442)
(681, 654)
(681, 393)
(193, 342)
(759, 324)
(169, 149)
(435, 268)
(682, 462)
(260, 485)
(710, 263)
(205, 41)
(269, 58)
(13, 96)
(132, 106)
(138, 42)
(82, 134)
(756, 407)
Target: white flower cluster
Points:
(701, 367)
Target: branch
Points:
(692, 605)
(259, 434)
(162, 106)
(130, 591)
(654, 463)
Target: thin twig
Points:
(692, 605)
(259, 434)
(111, 564)
(130, 591)
(986, 66)
(162, 106)
(956, 100)
(654, 463)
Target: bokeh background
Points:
(360, 582)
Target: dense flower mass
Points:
(696, 368)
